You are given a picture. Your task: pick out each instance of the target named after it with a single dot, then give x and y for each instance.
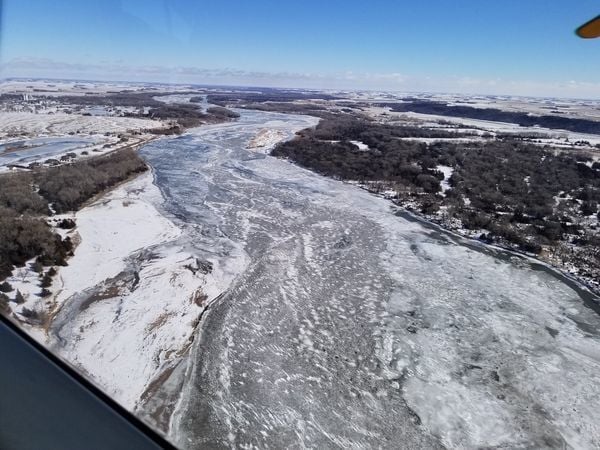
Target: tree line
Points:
(27, 199)
(516, 191)
(496, 115)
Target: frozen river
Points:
(347, 325)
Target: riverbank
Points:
(566, 270)
(587, 294)
(323, 294)
(124, 310)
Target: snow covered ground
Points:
(39, 149)
(577, 108)
(27, 137)
(30, 124)
(33, 129)
(174, 98)
(556, 137)
(460, 140)
(266, 139)
(361, 145)
(347, 326)
(128, 301)
(263, 305)
(447, 171)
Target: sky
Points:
(516, 47)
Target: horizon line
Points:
(251, 86)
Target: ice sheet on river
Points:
(348, 326)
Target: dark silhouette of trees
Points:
(18, 196)
(24, 232)
(19, 299)
(68, 187)
(511, 185)
(496, 115)
(219, 111)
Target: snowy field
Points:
(265, 140)
(575, 108)
(27, 137)
(125, 302)
(35, 133)
(15, 123)
(547, 135)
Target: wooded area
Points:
(506, 187)
(27, 198)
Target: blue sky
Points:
(484, 46)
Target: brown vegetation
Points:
(26, 198)
(219, 111)
(68, 187)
